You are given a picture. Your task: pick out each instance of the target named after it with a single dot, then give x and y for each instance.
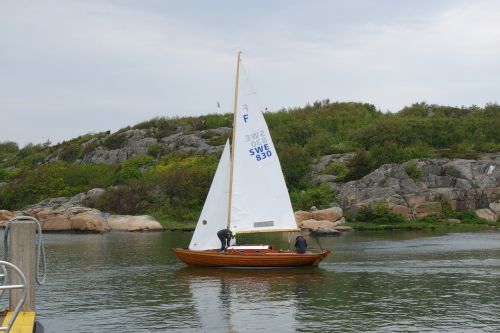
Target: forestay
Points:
(260, 200)
(214, 214)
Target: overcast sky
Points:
(72, 67)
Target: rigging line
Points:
(252, 87)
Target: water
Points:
(373, 282)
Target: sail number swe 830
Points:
(258, 141)
(261, 152)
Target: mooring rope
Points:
(40, 258)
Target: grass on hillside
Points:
(449, 227)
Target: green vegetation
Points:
(173, 189)
(379, 213)
(380, 217)
(53, 180)
(339, 170)
(413, 170)
(115, 141)
(172, 186)
(320, 196)
(412, 225)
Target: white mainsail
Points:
(214, 214)
(260, 200)
(259, 196)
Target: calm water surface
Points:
(373, 282)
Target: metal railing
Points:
(6, 286)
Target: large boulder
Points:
(325, 160)
(95, 193)
(5, 215)
(402, 210)
(134, 142)
(68, 214)
(44, 213)
(324, 219)
(326, 232)
(486, 214)
(89, 221)
(495, 207)
(133, 223)
(340, 221)
(315, 225)
(330, 214)
(388, 181)
(56, 223)
(302, 216)
(190, 143)
(427, 209)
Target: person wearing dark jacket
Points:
(300, 244)
(225, 236)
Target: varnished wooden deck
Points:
(214, 258)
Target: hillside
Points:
(164, 167)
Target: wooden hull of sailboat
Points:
(214, 258)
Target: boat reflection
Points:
(229, 300)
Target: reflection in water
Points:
(235, 300)
(372, 282)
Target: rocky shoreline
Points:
(425, 187)
(69, 215)
(414, 189)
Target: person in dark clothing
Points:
(225, 236)
(300, 244)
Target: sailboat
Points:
(248, 195)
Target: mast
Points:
(235, 111)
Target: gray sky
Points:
(72, 67)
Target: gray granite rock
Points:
(461, 184)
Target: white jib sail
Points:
(260, 200)
(213, 217)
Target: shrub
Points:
(8, 148)
(419, 150)
(339, 170)
(430, 219)
(296, 165)
(90, 147)
(179, 185)
(320, 196)
(69, 152)
(156, 150)
(359, 165)
(413, 170)
(218, 120)
(132, 168)
(218, 140)
(379, 213)
(5, 175)
(29, 186)
(126, 199)
(115, 141)
(467, 216)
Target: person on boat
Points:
(225, 236)
(300, 244)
